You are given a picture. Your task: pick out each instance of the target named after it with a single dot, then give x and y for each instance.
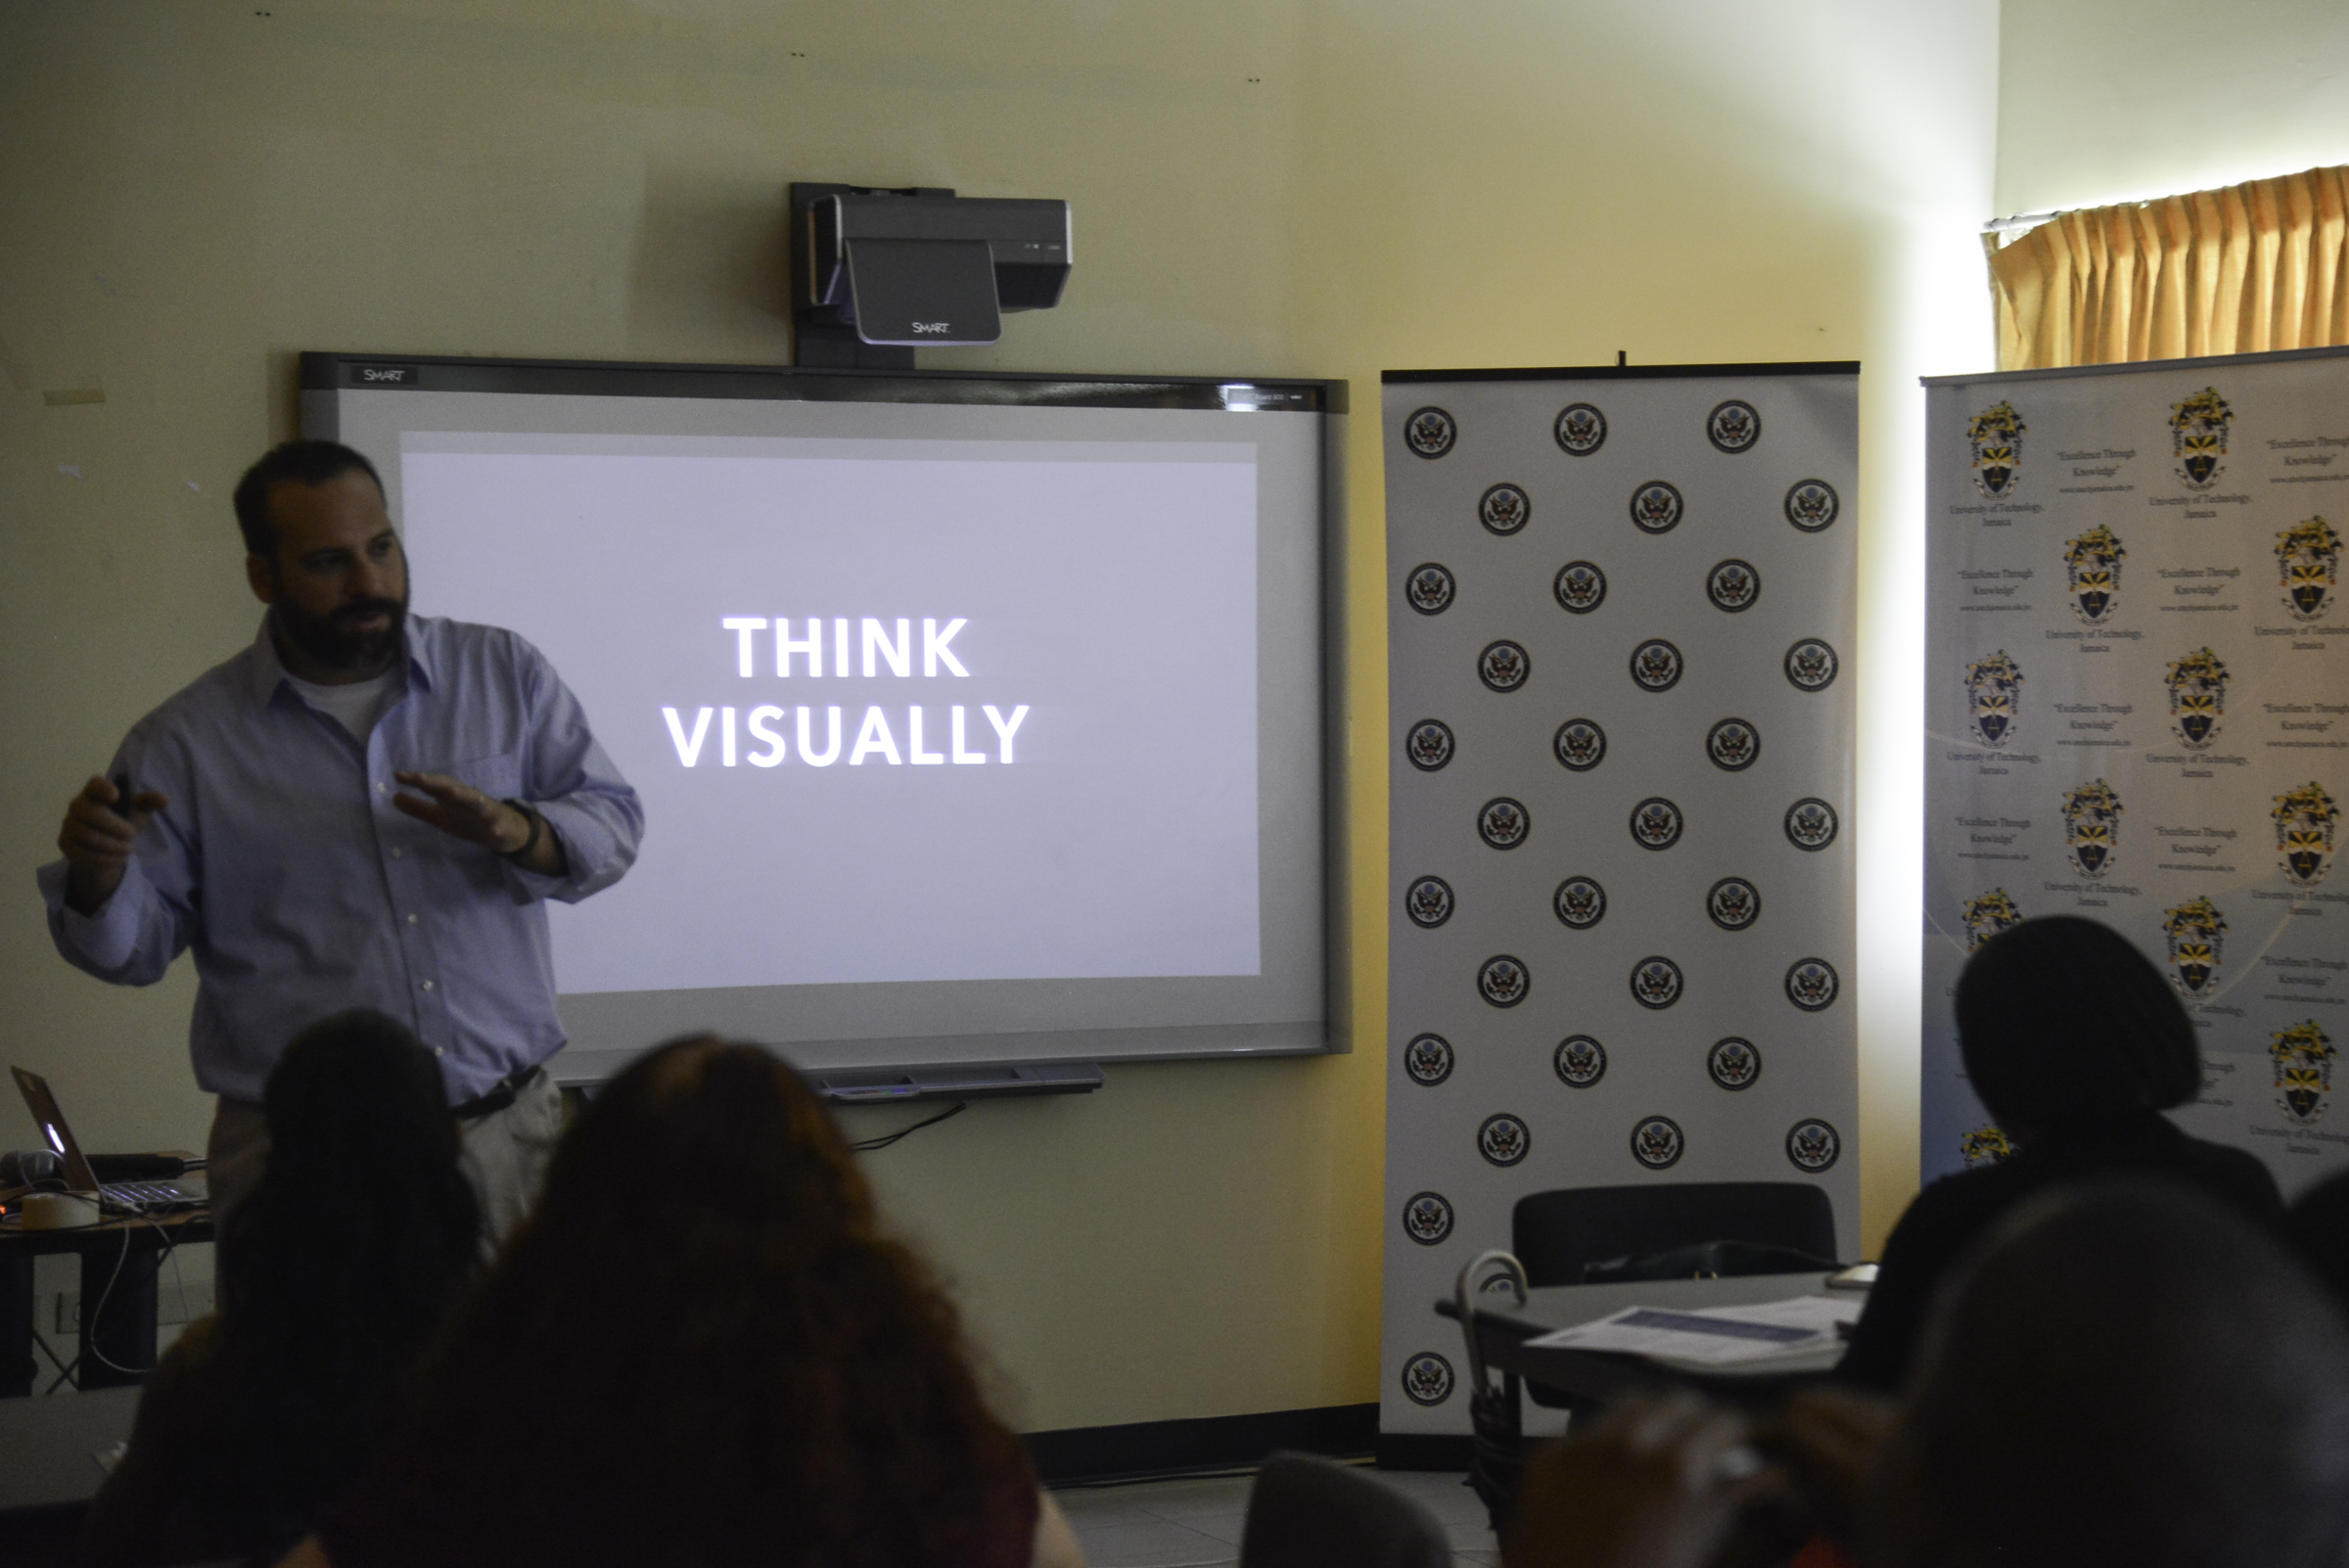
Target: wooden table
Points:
(120, 1259)
(1504, 1331)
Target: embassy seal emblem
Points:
(1502, 822)
(1502, 980)
(1656, 982)
(1427, 1380)
(1984, 1145)
(1656, 824)
(1733, 586)
(1505, 509)
(1810, 823)
(1579, 744)
(1428, 744)
(1733, 426)
(2309, 555)
(1812, 984)
(1993, 686)
(2304, 819)
(1656, 1142)
(1580, 1061)
(1733, 745)
(1985, 917)
(2198, 430)
(1813, 1146)
(1579, 903)
(1429, 431)
(1503, 1140)
(2091, 565)
(1734, 904)
(1734, 1063)
(1580, 430)
(1427, 1218)
(1581, 587)
(1428, 1059)
(2197, 698)
(1430, 588)
(1503, 666)
(2197, 940)
(1812, 505)
(1995, 436)
(1656, 507)
(1428, 901)
(2303, 1058)
(1812, 664)
(2091, 828)
(1656, 665)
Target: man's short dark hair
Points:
(2064, 1022)
(302, 462)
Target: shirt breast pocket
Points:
(498, 776)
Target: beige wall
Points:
(192, 191)
(2103, 102)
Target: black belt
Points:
(501, 1094)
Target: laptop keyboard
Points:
(141, 1196)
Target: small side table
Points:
(119, 1261)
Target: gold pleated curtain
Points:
(2244, 270)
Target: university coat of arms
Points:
(2198, 430)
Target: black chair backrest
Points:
(1556, 1233)
(1306, 1512)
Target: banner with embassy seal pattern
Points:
(2138, 710)
(1619, 951)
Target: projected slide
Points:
(899, 710)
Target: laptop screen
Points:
(43, 1105)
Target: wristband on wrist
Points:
(538, 827)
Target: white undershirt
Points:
(355, 706)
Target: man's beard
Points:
(330, 640)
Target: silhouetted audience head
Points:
(701, 1347)
(2319, 1227)
(2127, 1373)
(332, 1275)
(341, 1265)
(2063, 1023)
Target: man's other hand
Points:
(463, 812)
(100, 832)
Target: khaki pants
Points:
(504, 1155)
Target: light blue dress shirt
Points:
(282, 862)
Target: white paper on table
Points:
(1715, 1336)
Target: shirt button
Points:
(397, 853)
(426, 985)
(440, 1050)
(381, 789)
(411, 920)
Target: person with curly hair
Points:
(701, 1347)
(333, 1274)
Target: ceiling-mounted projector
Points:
(878, 273)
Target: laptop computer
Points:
(135, 1197)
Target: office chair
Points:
(1306, 1512)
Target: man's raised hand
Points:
(462, 811)
(100, 832)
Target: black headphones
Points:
(28, 1168)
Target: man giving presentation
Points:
(363, 808)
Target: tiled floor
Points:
(1196, 1523)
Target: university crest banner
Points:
(2138, 710)
(1621, 937)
